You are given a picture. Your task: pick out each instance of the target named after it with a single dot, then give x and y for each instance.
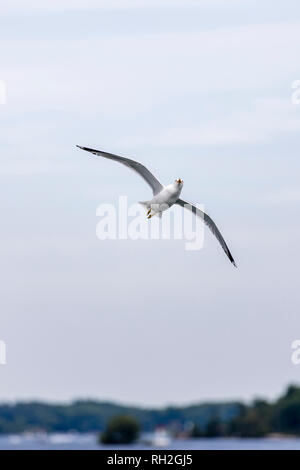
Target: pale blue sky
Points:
(198, 90)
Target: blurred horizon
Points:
(204, 401)
(259, 419)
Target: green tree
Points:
(196, 431)
(215, 428)
(286, 414)
(122, 429)
(253, 421)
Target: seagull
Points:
(164, 196)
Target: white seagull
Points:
(164, 196)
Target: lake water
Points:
(89, 442)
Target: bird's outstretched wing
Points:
(210, 223)
(136, 166)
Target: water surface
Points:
(89, 442)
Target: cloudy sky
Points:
(195, 89)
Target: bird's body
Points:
(164, 196)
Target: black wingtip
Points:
(80, 147)
(231, 259)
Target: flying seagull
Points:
(164, 196)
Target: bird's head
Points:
(179, 181)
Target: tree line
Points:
(256, 419)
